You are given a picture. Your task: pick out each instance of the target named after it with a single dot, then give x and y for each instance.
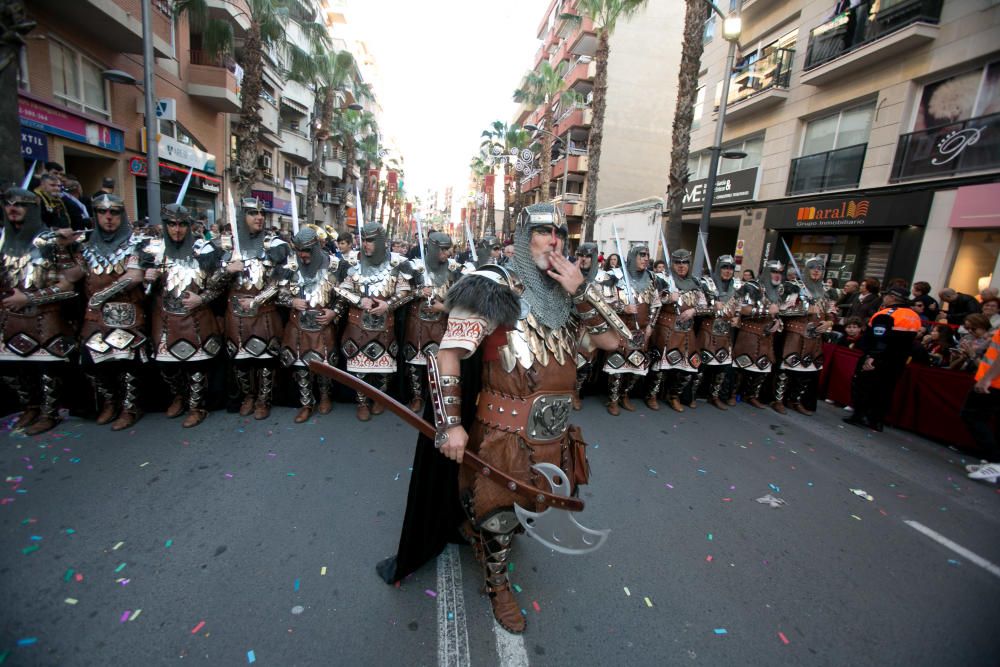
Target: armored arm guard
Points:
(102, 297)
(446, 399)
(215, 285)
(284, 297)
(347, 295)
(46, 295)
(266, 295)
(596, 314)
(397, 300)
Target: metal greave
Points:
(496, 551)
(655, 384)
(131, 395)
(104, 392)
(415, 374)
(752, 384)
(718, 380)
(266, 378)
(303, 381)
(50, 391)
(615, 387)
(679, 383)
(780, 386)
(196, 386)
(244, 378)
(695, 383)
(174, 380)
(360, 396)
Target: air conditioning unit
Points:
(264, 162)
(328, 198)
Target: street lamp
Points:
(558, 140)
(152, 150)
(732, 26)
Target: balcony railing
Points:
(946, 150)
(832, 170)
(774, 70)
(202, 58)
(865, 23)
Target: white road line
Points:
(957, 548)
(453, 632)
(510, 648)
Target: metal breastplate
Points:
(315, 290)
(20, 271)
(100, 264)
(531, 341)
(179, 276)
(380, 283)
(254, 274)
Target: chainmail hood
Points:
(173, 249)
(589, 250)
(724, 288)
(815, 287)
(770, 289)
(18, 240)
(308, 239)
(640, 279)
(251, 245)
(685, 283)
(107, 243)
(372, 231)
(484, 250)
(549, 302)
(436, 269)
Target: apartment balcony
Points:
(296, 145)
(862, 37)
(571, 202)
(578, 163)
(948, 150)
(269, 122)
(583, 41)
(117, 28)
(298, 97)
(572, 117)
(234, 12)
(833, 170)
(212, 84)
(760, 85)
(751, 9)
(332, 169)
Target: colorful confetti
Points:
(198, 627)
(783, 638)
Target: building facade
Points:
(641, 97)
(870, 133)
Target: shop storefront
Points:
(860, 236)
(202, 193)
(975, 223)
(734, 192)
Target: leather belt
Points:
(538, 418)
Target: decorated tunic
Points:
(305, 338)
(180, 334)
(802, 313)
(255, 332)
(368, 341)
(674, 337)
(424, 326)
(715, 331)
(631, 356)
(116, 329)
(36, 332)
(754, 347)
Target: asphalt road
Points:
(244, 541)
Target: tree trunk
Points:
(491, 214)
(517, 204)
(347, 181)
(248, 128)
(546, 157)
(326, 119)
(596, 135)
(687, 95)
(507, 203)
(14, 24)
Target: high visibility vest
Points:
(903, 319)
(988, 359)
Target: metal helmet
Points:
(18, 239)
(724, 288)
(683, 283)
(252, 245)
(177, 213)
(549, 302)
(484, 248)
(590, 250)
(308, 239)
(774, 266)
(639, 279)
(373, 231)
(106, 243)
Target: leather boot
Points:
(678, 384)
(654, 391)
(731, 401)
(414, 377)
(262, 407)
(713, 395)
(245, 382)
(173, 381)
(48, 411)
(506, 610)
(652, 403)
(325, 405)
(798, 392)
(364, 412)
(304, 382)
(751, 393)
(626, 401)
(107, 414)
(109, 409)
(194, 417)
(614, 394)
(779, 407)
(383, 384)
(780, 385)
(716, 402)
(675, 403)
(130, 403)
(695, 382)
(755, 402)
(176, 407)
(246, 407)
(27, 417)
(582, 373)
(577, 403)
(305, 412)
(29, 412)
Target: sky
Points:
(448, 69)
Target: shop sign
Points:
(901, 210)
(64, 123)
(731, 188)
(976, 206)
(267, 198)
(189, 156)
(34, 145)
(137, 166)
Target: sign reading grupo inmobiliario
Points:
(856, 210)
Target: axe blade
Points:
(556, 529)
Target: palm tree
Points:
(347, 128)
(545, 88)
(687, 95)
(14, 24)
(479, 168)
(605, 15)
(267, 30)
(507, 141)
(370, 159)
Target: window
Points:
(960, 97)
(709, 32)
(846, 128)
(699, 108)
(698, 165)
(752, 147)
(77, 82)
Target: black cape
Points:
(433, 509)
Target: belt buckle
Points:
(371, 322)
(307, 320)
(118, 314)
(238, 310)
(549, 416)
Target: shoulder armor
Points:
(274, 241)
(202, 247)
(417, 265)
(395, 259)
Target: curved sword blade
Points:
(559, 531)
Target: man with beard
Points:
(753, 352)
(54, 212)
(509, 402)
(586, 261)
(185, 333)
(427, 316)
(674, 335)
(809, 317)
(113, 334)
(253, 325)
(309, 335)
(374, 288)
(637, 303)
(716, 330)
(37, 341)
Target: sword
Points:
(795, 265)
(27, 177)
(472, 246)
(555, 526)
(420, 236)
(629, 294)
(295, 209)
(184, 188)
(704, 249)
(666, 258)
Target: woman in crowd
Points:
(868, 302)
(935, 347)
(973, 344)
(613, 265)
(991, 309)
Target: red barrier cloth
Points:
(927, 400)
